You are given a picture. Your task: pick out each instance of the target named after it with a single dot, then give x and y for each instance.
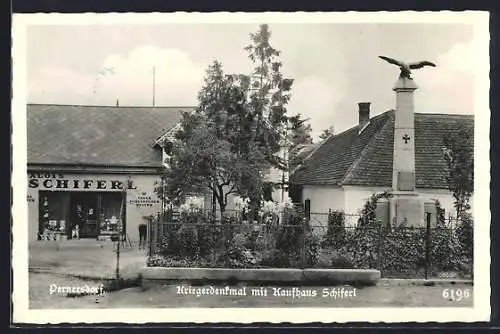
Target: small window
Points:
(168, 147)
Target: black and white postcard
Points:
(239, 167)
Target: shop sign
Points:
(144, 200)
(57, 181)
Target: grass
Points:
(387, 293)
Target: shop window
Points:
(110, 213)
(91, 213)
(53, 216)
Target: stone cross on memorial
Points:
(406, 138)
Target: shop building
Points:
(94, 169)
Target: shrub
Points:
(265, 239)
(311, 249)
(335, 233)
(238, 254)
(368, 213)
(274, 258)
(187, 239)
(169, 244)
(361, 245)
(155, 261)
(403, 249)
(288, 236)
(172, 261)
(445, 250)
(208, 233)
(441, 220)
(465, 234)
(333, 259)
(295, 245)
(289, 239)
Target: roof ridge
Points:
(389, 115)
(335, 135)
(309, 155)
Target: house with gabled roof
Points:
(343, 171)
(89, 166)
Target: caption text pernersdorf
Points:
(97, 290)
(291, 292)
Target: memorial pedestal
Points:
(407, 209)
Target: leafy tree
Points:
(230, 142)
(300, 131)
(326, 133)
(269, 93)
(202, 161)
(459, 156)
(368, 215)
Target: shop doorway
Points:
(83, 210)
(95, 213)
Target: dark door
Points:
(84, 213)
(307, 209)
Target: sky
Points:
(334, 66)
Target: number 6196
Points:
(456, 294)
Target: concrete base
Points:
(423, 282)
(361, 276)
(411, 207)
(160, 275)
(407, 209)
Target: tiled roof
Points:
(96, 135)
(301, 152)
(365, 159)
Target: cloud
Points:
(51, 84)
(177, 78)
(459, 58)
(449, 87)
(128, 78)
(314, 98)
(326, 91)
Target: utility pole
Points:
(154, 83)
(285, 159)
(120, 236)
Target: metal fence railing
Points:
(296, 242)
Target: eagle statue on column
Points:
(406, 68)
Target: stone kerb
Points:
(160, 275)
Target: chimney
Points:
(364, 114)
